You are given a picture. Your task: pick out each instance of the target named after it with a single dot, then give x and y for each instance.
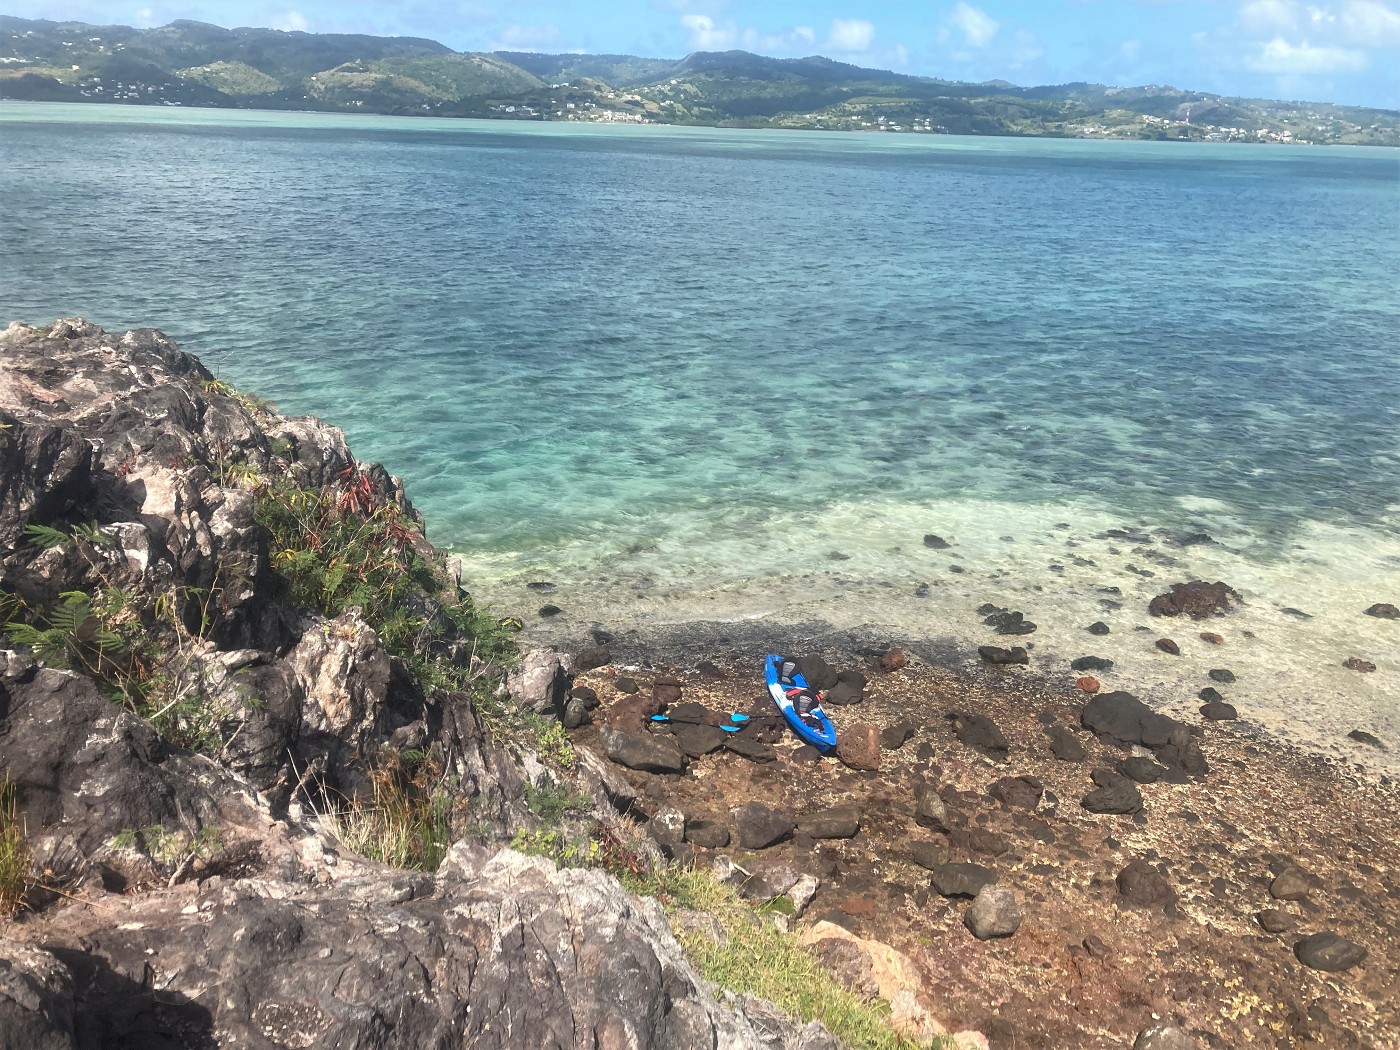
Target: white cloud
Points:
(144, 17)
(291, 22)
(1281, 57)
(799, 40)
(528, 38)
(705, 35)
(851, 34)
(1130, 50)
(1271, 16)
(1368, 22)
(978, 27)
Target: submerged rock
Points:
(1384, 610)
(996, 655)
(1196, 599)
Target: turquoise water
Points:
(736, 373)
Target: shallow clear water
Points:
(691, 372)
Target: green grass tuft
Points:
(14, 852)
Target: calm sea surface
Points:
(732, 374)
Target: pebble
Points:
(1223, 675)
(1358, 664)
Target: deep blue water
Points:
(598, 337)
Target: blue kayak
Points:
(816, 728)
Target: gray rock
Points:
(929, 853)
(1164, 1037)
(961, 880)
(576, 713)
(844, 694)
(1223, 675)
(1329, 951)
(1141, 770)
(1065, 745)
(708, 834)
(1118, 797)
(758, 827)
(1384, 610)
(36, 1000)
(820, 675)
(647, 754)
(994, 913)
(980, 732)
(930, 811)
(801, 892)
(839, 822)
(769, 879)
(1098, 627)
(1275, 921)
(1123, 717)
(1143, 886)
(1091, 663)
(541, 683)
(1219, 711)
(893, 737)
(1017, 792)
(1291, 884)
(698, 740)
(849, 964)
(667, 828)
(994, 654)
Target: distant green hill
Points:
(193, 63)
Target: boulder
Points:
(36, 1000)
(647, 754)
(1088, 684)
(1384, 610)
(980, 732)
(928, 853)
(820, 675)
(961, 880)
(1091, 663)
(1219, 711)
(930, 811)
(708, 834)
(934, 542)
(893, 737)
(344, 674)
(898, 980)
(1212, 638)
(839, 822)
(1123, 717)
(994, 913)
(1168, 646)
(667, 828)
(858, 746)
(1291, 884)
(758, 826)
(1223, 675)
(698, 740)
(993, 654)
(1329, 951)
(844, 693)
(1010, 622)
(893, 660)
(1017, 792)
(1273, 920)
(1118, 796)
(1143, 886)
(1195, 599)
(592, 658)
(1065, 745)
(1141, 770)
(1098, 627)
(541, 683)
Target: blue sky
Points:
(1327, 50)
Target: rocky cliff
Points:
(227, 642)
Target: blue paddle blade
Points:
(736, 717)
(730, 729)
(659, 718)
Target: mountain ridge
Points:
(196, 63)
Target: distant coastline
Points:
(191, 64)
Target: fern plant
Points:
(75, 638)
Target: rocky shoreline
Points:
(1231, 887)
(188, 731)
